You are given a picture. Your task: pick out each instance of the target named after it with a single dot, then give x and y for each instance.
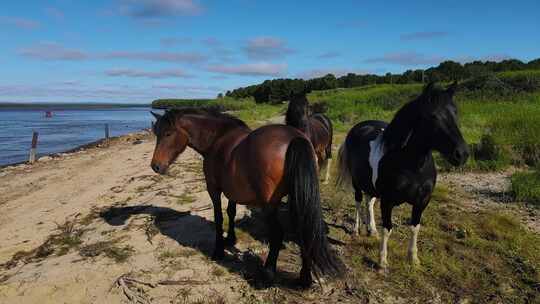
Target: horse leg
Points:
(358, 201)
(276, 240)
(372, 228)
(327, 164)
(219, 250)
(415, 228)
(305, 279)
(386, 212)
(230, 240)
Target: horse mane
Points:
(171, 115)
(401, 127)
(296, 115)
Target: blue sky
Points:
(140, 50)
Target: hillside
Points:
(129, 235)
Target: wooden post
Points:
(107, 134)
(32, 157)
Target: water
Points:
(66, 129)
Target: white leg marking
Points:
(358, 218)
(372, 230)
(384, 248)
(413, 250)
(327, 177)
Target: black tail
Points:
(305, 207)
(328, 124)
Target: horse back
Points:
(357, 144)
(321, 137)
(254, 173)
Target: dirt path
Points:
(98, 226)
(491, 191)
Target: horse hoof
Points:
(305, 280)
(268, 276)
(414, 261)
(383, 270)
(218, 255)
(304, 283)
(374, 234)
(229, 242)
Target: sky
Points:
(135, 51)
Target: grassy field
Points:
(479, 256)
(467, 254)
(499, 116)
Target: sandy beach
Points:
(62, 242)
(99, 226)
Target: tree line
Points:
(278, 90)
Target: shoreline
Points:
(91, 145)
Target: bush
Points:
(497, 85)
(179, 103)
(526, 186)
(489, 155)
(520, 132)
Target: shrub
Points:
(489, 154)
(526, 186)
(521, 132)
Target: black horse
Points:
(393, 161)
(317, 127)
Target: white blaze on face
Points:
(376, 152)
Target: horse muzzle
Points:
(159, 169)
(459, 156)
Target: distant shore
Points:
(91, 145)
(67, 106)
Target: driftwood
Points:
(137, 295)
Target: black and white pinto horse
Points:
(394, 161)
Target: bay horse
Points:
(257, 168)
(394, 161)
(317, 127)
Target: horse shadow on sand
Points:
(193, 231)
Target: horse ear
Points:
(452, 88)
(156, 115)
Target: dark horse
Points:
(317, 127)
(393, 161)
(256, 168)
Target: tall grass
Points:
(346, 107)
(507, 125)
(526, 186)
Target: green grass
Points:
(168, 103)
(245, 109)
(67, 237)
(467, 255)
(504, 106)
(110, 249)
(185, 198)
(513, 121)
(526, 186)
(479, 256)
(349, 106)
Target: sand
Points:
(160, 231)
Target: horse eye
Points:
(168, 134)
